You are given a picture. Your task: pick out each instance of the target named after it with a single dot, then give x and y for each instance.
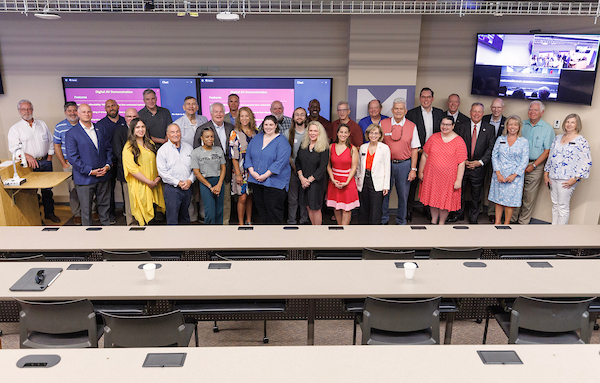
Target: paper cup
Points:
(150, 270)
(409, 270)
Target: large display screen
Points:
(127, 92)
(559, 67)
(259, 93)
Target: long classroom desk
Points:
(541, 363)
(200, 237)
(310, 280)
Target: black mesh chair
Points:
(544, 321)
(27, 258)
(161, 330)
(401, 322)
(236, 307)
(141, 256)
(455, 253)
(70, 324)
(123, 307)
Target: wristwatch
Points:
(415, 169)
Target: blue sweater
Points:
(274, 157)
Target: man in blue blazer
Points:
(90, 153)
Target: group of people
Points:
(306, 160)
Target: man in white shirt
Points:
(173, 163)
(189, 122)
(38, 147)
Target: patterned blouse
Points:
(571, 160)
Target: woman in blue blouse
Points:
(509, 160)
(268, 164)
(569, 161)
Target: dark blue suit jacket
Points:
(85, 157)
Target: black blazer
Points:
(487, 118)
(461, 118)
(485, 143)
(228, 129)
(416, 115)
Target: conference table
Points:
(291, 364)
(312, 280)
(208, 237)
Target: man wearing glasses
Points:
(356, 133)
(402, 137)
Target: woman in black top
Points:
(311, 166)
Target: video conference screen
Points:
(560, 67)
(256, 93)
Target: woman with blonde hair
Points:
(240, 137)
(141, 174)
(373, 176)
(311, 167)
(569, 161)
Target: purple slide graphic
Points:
(259, 100)
(95, 98)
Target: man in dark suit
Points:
(222, 130)
(89, 151)
(497, 120)
(453, 105)
(479, 137)
(428, 119)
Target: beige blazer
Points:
(381, 169)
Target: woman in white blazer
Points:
(373, 176)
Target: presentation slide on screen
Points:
(128, 92)
(259, 93)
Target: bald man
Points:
(109, 123)
(90, 153)
(118, 142)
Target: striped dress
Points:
(346, 198)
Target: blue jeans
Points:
(213, 205)
(47, 200)
(177, 202)
(399, 177)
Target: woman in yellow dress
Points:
(139, 166)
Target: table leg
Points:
(312, 313)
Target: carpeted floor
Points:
(293, 333)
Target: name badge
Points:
(45, 137)
(295, 140)
(387, 134)
(502, 142)
(571, 143)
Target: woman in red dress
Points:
(441, 171)
(342, 194)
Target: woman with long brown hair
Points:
(141, 174)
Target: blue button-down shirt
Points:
(540, 137)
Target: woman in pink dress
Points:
(441, 171)
(342, 194)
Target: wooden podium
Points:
(19, 205)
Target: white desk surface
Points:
(541, 363)
(200, 237)
(311, 279)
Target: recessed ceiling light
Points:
(228, 16)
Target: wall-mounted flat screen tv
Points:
(258, 93)
(547, 67)
(127, 91)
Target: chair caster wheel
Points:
(265, 340)
(596, 327)
(479, 321)
(215, 329)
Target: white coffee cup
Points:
(409, 269)
(150, 270)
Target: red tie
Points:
(473, 140)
